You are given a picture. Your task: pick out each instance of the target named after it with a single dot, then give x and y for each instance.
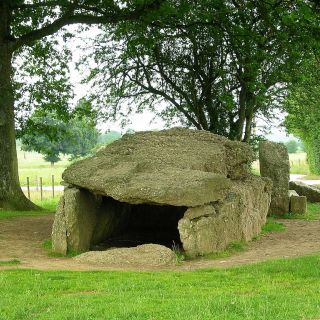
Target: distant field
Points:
(32, 165)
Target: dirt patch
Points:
(21, 238)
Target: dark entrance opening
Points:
(133, 225)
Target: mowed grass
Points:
(283, 289)
(32, 165)
(48, 205)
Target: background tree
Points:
(81, 138)
(23, 24)
(52, 136)
(214, 66)
(292, 146)
(108, 137)
(302, 105)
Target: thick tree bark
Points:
(11, 195)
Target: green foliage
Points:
(292, 146)
(108, 137)
(302, 105)
(281, 289)
(48, 134)
(42, 82)
(212, 65)
(254, 143)
(45, 134)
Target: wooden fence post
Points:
(28, 187)
(52, 179)
(41, 195)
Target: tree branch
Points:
(70, 18)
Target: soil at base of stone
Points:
(21, 238)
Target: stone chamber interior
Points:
(127, 225)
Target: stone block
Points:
(298, 204)
(312, 193)
(213, 227)
(293, 193)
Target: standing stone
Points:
(75, 221)
(274, 164)
(59, 230)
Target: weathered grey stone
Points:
(312, 193)
(293, 193)
(198, 177)
(212, 227)
(148, 255)
(298, 204)
(83, 220)
(80, 216)
(177, 167)
(274, 164)
(59, 230)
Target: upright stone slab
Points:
(274, 164)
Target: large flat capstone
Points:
(178, 167)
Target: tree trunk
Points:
(248, 128)
(11, 195)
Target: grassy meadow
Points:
(32, 165)
(48, 205)
(282, 289)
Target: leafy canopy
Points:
(211, 65)
(52, 136)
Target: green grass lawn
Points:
(283, 289)
(48, 205)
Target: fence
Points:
(39, 188)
